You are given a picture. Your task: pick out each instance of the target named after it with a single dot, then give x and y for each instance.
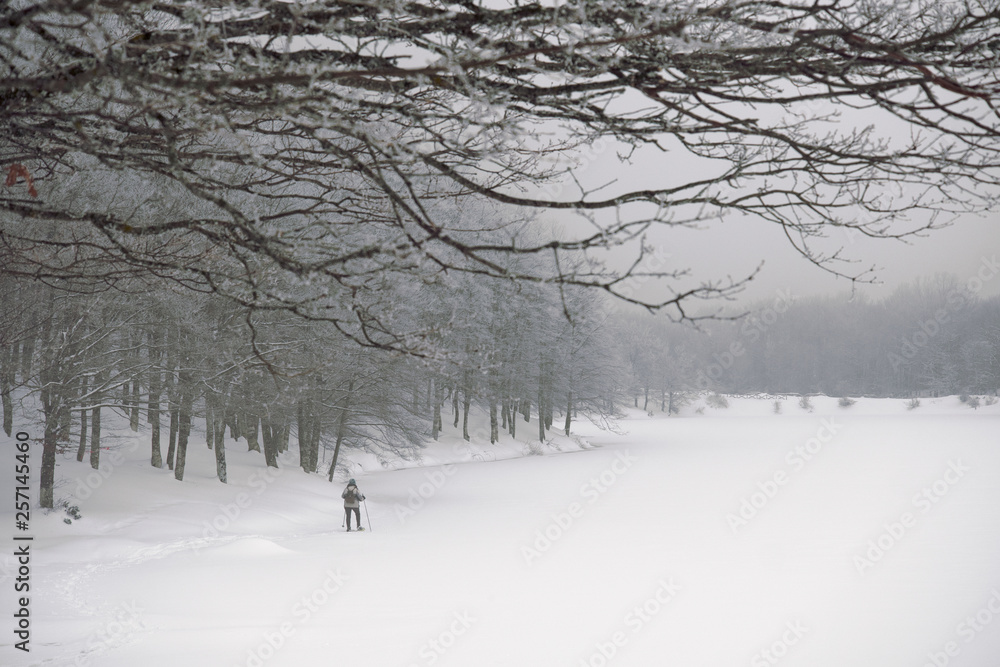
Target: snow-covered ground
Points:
(866, 536)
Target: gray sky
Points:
(735, 247)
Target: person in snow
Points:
(352, 501)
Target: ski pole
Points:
(365, 503)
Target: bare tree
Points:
(322, 146)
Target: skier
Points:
(352, 501)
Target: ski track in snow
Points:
(77, 588)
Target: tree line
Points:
(163, 358)
(934, 337)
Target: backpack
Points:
(351, 494)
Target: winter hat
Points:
(351, 481)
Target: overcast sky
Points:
(737, 246)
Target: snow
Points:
(869, 536)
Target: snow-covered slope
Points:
(860, 536)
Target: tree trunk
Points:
(209, 420)
(82, 449)
(46, 496)
(315, 431)
(341, 428)
(549, 402)
(454, 406)
(234, 424)
(5, 400)
(134, 416)
(466, 404)
(51, 397)
(153, 417)
(270, 435)
(95, 420)
(309, 436)
(171, 385)
(541, 418)
(494, 424)
(65, 417)
(436, 419)
(249, 424)
(172, 436)
(27, 354)
(303, 431)
(95, 437)
(153, 406)
(286, 432)
(183, 423)
(219, 425)
(569, 410)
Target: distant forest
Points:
(930, 338)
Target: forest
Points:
(933, 337)
(354, 223)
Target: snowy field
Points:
(859, 537)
